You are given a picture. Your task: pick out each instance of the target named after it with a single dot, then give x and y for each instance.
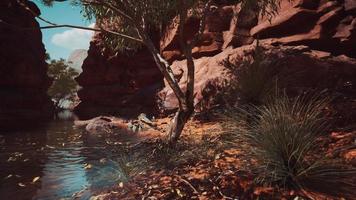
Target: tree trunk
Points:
(177, 124)
(166, 70)
(182, 116)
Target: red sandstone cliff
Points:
(327, 29)
(117, 83)
(23, 70)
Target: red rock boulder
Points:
(309, 70)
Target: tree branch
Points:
(76, 27)
(187, 50)
(93, 29)
(54, 25)
(166, 70)
(202, 24)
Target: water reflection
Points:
(66, 162)
(22, 158)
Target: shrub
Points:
(283, 137)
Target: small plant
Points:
(283, 138)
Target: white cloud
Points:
(73, 38)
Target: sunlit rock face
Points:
(321, 24)
(324, 27)
(23, 70)
(76, 58)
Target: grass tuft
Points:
(283, 137)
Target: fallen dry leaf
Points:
(21, 185)
(87, 166)
(9, 176)
(121, 184)
(35, 179)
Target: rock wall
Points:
(302, 68)
(23, 70)
(321, 24)
(324, 27)
(117, 83)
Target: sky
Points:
(60, 42)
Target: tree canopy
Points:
(64, 86)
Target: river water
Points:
(57, 161)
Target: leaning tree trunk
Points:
(184, 113)
(186, 100)
(182, 116)
(177, 124)
(185, 109)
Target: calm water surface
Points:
(57, 162)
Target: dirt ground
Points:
(208, 164)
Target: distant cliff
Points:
(23, 70)
(76, 59)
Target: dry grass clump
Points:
(283, 137)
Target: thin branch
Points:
(93, 29)
(189, 184)
(165, 68)
(202, 24)
(76, 27)
(54, 25)
(220, 192)
(187, 50)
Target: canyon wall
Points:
(325, 30)
(23, 70)
(123, 84)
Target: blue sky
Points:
(60, 42)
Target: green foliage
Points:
(148, 15)
(283, 137)
(64, 86)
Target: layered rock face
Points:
(23, 70)
(321, 24)
(326, 28)
(117, 83)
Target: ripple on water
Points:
(59, 156)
